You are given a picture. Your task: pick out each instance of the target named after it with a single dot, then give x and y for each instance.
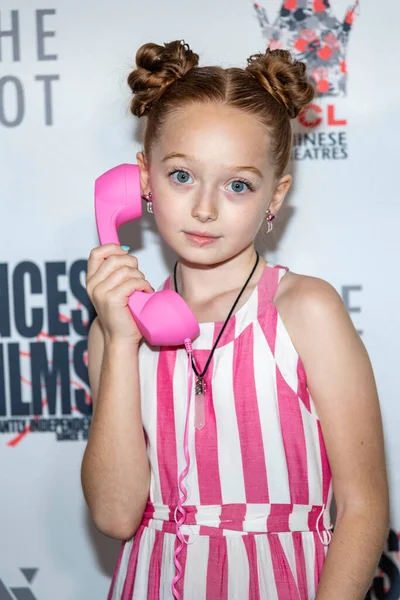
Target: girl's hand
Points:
(112, 276)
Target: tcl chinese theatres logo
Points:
(315, 36)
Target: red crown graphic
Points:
(314, 35)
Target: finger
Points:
(98, 255)
(117, 277)
(126, 288)
(112, 267)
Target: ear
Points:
(278, 195)
(144, 172)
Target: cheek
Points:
(248, 219)
(167, 215)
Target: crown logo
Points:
(315, 36)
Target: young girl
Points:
(286, 410)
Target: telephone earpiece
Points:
(163, 317)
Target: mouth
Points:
(200, 238)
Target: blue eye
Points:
(180, 173)
(241, 182)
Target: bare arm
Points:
(115, 468)
(341, 382)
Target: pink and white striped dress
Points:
(259, 484)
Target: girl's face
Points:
(211, 172)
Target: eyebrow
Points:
(190, 157)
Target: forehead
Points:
(216, 134)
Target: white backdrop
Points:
(64, 120)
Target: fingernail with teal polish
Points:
(126, 248)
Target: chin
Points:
(204, 257)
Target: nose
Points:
(205, 206)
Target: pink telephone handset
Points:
(162, 317)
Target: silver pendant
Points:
(199, 411)
(200, 387)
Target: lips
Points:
(200, 238)
(201, 234)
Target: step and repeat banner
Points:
(64, 119)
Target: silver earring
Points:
(269, 218)
(148, 197)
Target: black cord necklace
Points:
(200, 385)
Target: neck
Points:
(199, 283)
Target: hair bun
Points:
(283, 77)
(157, 68)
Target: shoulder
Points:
(306, 293)
(313, 313)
